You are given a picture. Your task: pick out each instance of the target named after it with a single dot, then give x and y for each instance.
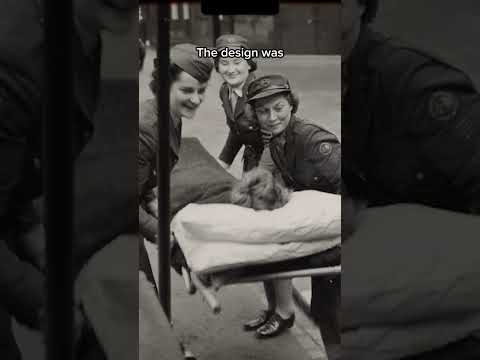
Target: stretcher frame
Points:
(220, 279)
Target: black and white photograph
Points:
(254, 159)
(411, 170)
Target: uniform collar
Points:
(237, 91)
(241, 91)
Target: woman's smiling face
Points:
(186, 95)
(233, 70)
(273, 113)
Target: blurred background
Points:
(448, 29)
(299, 28)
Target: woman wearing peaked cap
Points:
(305, 157)
(188, 75)
(237, 74)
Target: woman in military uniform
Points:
(305, 157)
(237, 74)
(189, 75)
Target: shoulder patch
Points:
(325, 148)
(443, 105)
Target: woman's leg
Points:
(283, 290)
(284, 316)
(263, 317)
(270, 295)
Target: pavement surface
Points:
(220, 336)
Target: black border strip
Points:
(58, 174)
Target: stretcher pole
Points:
(163, 156)
(221, 280)
(58, 175)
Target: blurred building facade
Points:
(298, 28)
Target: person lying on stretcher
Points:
(259, 190)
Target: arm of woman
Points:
(324, 153)
(230, 149)
(147, 223)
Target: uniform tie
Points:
(233, 99)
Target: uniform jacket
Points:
(410, 126)
(243, 130)
(147, 155)
(310, 158)
(22, 86)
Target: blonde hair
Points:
(258, 189)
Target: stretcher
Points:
(198, 178)
(208, 285)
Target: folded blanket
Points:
(216, 237)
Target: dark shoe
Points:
(274, 326)
(258, 321)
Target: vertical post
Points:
(216, 27)
(163, 156)
(232, 24)
(58, 178)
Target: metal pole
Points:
(216, 27)
(163, 156)
(232, 24)
(58, 178)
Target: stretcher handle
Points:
(206, 293)
(188, 282)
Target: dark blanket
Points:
(198, 178)
(410, 282)
(106, 199)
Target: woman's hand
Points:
(152, 207)
(33, 246)
(266, 136)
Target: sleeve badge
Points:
(443, 105)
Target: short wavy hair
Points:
(292, 98)
(258, 189)
(174, 72)
(371, 9)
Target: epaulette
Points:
(309, 126)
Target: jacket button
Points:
(316, 178)
(420, 176)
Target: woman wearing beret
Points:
(305, 157)
(189, 75)
(237, 74)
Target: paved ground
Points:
(220, 336)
